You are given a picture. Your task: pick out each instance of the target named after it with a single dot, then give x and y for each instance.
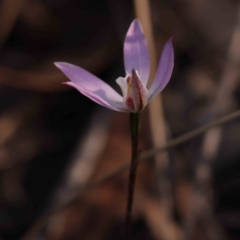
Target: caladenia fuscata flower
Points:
(135, 95)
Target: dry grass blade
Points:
(86, 157)
(172, 143)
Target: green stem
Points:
(135, 128)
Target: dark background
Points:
(54, 141)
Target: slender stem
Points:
(134, 127)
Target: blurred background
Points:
(54, 142)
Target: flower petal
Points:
(96, 98)
(122, 82)
(91, 86)
(164, 71)
(135, 52)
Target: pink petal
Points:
(135, 52)
(96, 98)
(91, 86)
(164, 71)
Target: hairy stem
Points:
(134, 128)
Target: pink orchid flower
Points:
(137, 66)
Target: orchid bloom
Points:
(137, 66)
